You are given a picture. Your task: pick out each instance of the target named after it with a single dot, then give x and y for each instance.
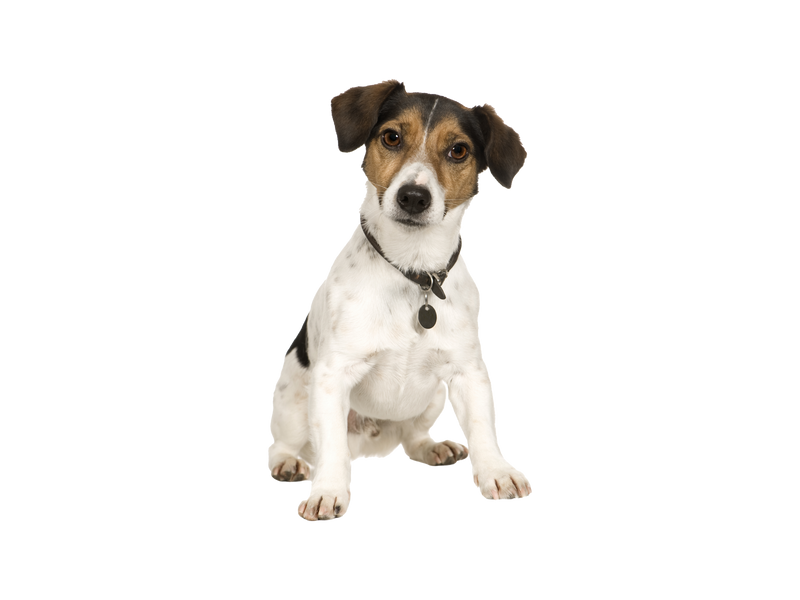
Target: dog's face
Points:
(421, 157)
(423, 152)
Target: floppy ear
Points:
(356, 111)
(504, 152)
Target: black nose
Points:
(413, 198)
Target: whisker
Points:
(377, 186)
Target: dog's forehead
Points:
(431, 110)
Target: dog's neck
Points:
(420, 249)
(427, 280)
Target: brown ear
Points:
(504, 152)
(355, 112)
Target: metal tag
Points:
(436, 288)
(427, 316)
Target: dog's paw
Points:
(445, 453)
(324, 505)
(500, 483)
(291, 469)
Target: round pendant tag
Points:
(427, 316)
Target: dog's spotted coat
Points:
(363, 376)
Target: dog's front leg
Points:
(471, 397)
(332, 379)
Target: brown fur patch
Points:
(458, 179)
(380, 163)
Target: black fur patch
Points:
(300, 343)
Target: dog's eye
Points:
(391, 138)
(458, 152)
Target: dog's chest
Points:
(401, 381)
(371, 313)
(404, 359)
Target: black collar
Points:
(426, 280)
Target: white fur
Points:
(369, 354)
(428, 123)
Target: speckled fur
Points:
(376, 378)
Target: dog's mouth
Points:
(410, 222)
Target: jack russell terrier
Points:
(368, 369)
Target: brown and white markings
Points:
(363, 375)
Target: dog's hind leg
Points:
(419, 445)
(370, 437)
(290, 422)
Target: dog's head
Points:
(424, 152)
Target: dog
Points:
(393, 330)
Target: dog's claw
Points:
(503, 483)
(291, 469)
(444, 453)
(323, 507)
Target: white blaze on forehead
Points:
(428, 124)
(422, 178)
